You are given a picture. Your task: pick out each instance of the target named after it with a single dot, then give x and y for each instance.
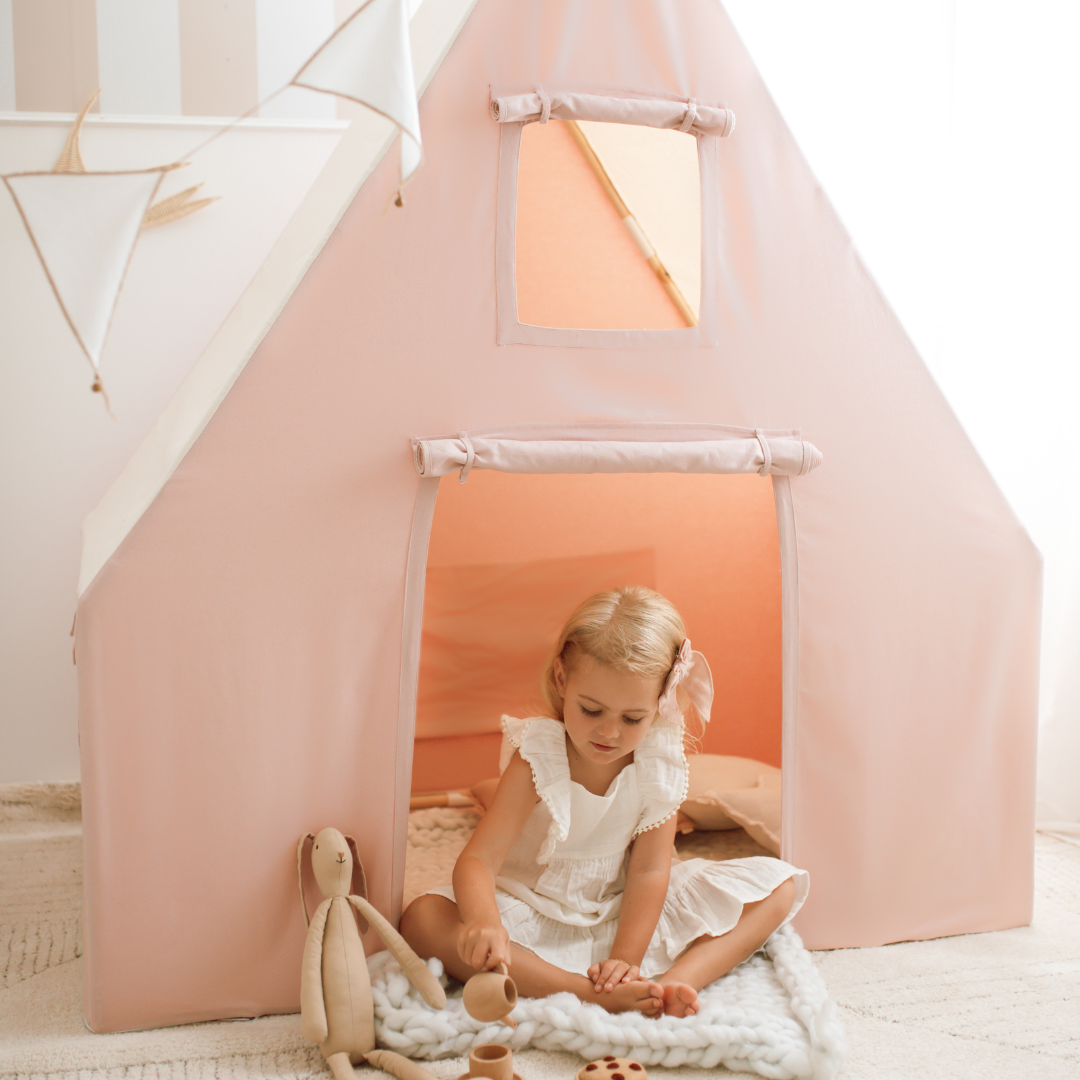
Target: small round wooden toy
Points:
(613, 1068)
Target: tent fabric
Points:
(246, 663)
(364, 144)
(488, 630)
(686, 116)
(763, 455)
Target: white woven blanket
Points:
(772, 1015)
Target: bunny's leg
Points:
(398, 1066)
(341, 1067)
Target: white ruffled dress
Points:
(560, 889)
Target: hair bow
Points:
(691, 671)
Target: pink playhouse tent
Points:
(252, 600)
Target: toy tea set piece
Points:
(490, 995)
(336, 1008)
(490, 1062)
(612, 1068)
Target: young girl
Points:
(568, 879)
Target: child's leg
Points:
(430, 924)
(710, 957)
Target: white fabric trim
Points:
(789, 605)
(647, 112)
(415, 579)
(433, 31)
(778, 455)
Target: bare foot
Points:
(680, 999)
(643, 996)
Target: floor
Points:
(1005, 1005)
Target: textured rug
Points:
(1004, 1005)
(772, 1015)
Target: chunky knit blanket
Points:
(772, 1015)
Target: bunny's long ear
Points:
(359, 878)
(300, 872)
(358, 887)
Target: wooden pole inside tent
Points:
(441, 798)
(632, 227)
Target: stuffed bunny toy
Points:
(336, 1008)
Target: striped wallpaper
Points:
(164, 57)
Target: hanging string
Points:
(98, 387)
(232, 123)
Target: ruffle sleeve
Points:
(541, 742)
(663, 777)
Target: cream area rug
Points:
(1004, 1005)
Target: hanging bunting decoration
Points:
(368, 59)
(83, 226)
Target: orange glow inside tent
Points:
(511, 556)
(576, 263)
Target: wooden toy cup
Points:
(489, 996)
(492, 1061)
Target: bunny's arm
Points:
(312, 1007)
(415, 968)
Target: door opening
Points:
(511, 555)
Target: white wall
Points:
(7, 58)
(138, 52)
(59, 450)
(944, 133)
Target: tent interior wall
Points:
(511, 555)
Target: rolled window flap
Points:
(780, 455)
(687, 116)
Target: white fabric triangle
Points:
(369, 59)
(84, 226)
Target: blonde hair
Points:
(631, 629)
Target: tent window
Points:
(608, 227)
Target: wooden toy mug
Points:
(490, 995)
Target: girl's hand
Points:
(483, 944)
(611, 972)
